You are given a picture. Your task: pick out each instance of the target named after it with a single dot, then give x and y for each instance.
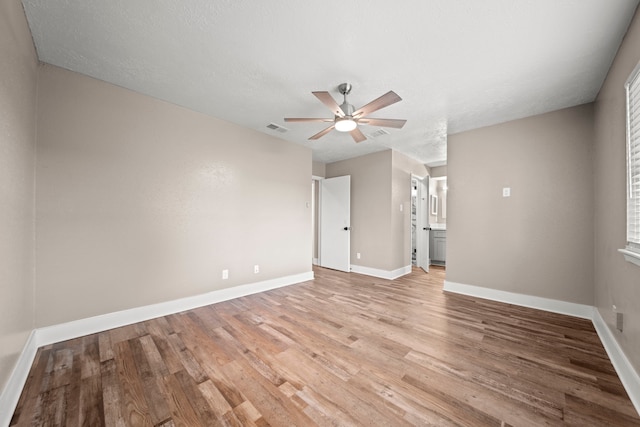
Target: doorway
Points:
(420, 228)
(315, 197)
(331, 222)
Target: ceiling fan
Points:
(346, 118)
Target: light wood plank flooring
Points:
(341, 350)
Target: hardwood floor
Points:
(341, 350)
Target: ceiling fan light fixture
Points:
(346, 118)
(345, 124)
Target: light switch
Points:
(506, 192)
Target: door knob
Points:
(347, 228)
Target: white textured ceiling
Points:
(458, 65)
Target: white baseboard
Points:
(546, 304)
(51, 334)
(628, 376)
(91, 325)
(383, 274)
(315, 261)
(17, 379)
(624, 368)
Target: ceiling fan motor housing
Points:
(347, 109)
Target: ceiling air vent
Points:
(277, 128)
(378, 133)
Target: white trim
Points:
(624, 369)
(13, 388)
(91, 325)
(555, 306)
(315, 261)
(632, 101)
(383, 274)
(630, 256)
(43, 336)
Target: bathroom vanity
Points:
(438, 246)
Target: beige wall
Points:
(438, 171)
(616, 281)
(318, 169)
(140, 201)
(370, 207)
(18, 85)
(380, 184)
(370, 210)
(539, 241)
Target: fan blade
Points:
(327, 99)
(384, 101)
(301, 119)
(385, 123)
(357, 135)
(322, 132)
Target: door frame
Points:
(315, 219)
(422, 220)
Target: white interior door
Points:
(335, 223)
(422, 225)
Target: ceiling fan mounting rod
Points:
(347, 109)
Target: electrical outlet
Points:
(225, 274)
(506, 192)
(256, 269)
(358, 255)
